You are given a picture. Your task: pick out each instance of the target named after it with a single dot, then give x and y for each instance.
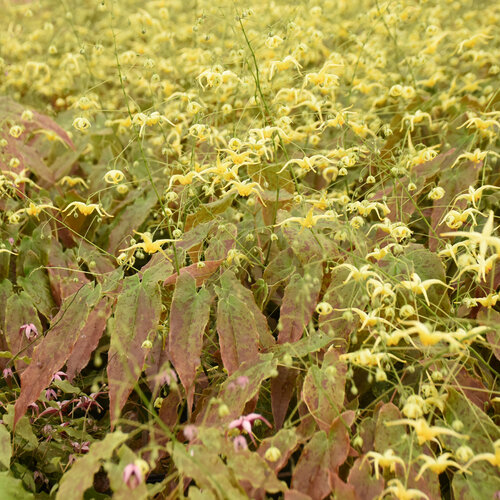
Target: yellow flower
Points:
(424, 431)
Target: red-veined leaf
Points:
(200, 271)
(52, 352)
(89, 338)
(238, 389)
(323, 389)
(136, 316)
(282, 389)
(20, 311)
(238, 334)
(311, 474)
(299, 301)
(189, 315)
(65, 276)
(364, 483)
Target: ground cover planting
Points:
(249, 249)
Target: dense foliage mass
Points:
(248, 250)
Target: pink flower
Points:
(244, 423)
(58, 375)
(29, 329)
(190, 432)
(132, 476)
(7, 373)
(80, 447)
(50, 394)
(240, 443)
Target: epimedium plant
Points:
(247, 254)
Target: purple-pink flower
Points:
(244, 423)
(240, 443)
(132, 476)
(29, 329)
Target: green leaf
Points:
(66, 387)
(23, 428)
(5, 446)
(207, 469)
(81, 475)
(12, 488)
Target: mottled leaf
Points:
(239, 388)
(80, 477)
(282, 389)
(311, 473)
(365, 484)
(189, 315)
(52, 352)
(136, 316)
(238, 334)
(65, 276)
(299, 301)
(20, 311)
(89, 338)
(206, 467)
(323, 389)
(132, 216)
(286, 440)
(221, 242)
(200, 271)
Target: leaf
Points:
(5, 447)
(23, 429)
(207, 212)
(482, 484)
(239, 388)
(396, 438)
(192, 240)
(52, 352)
(427, 265)
(65, 276)
(286, 440)
(299, 301)
(207, 469)
(12, 488)
(249, 468)
(189, 314)
(282, 389)
(323, 389)
(80, 477)
(365, 484)
(89, 338)
(311, 473)
(199, 271)
(20, 311)
(136, 316)
(132, 216)
(309, 245)
(238, 334)
(221, 242)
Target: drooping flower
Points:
(244, 423)
(29, 329)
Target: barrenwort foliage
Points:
(249, 249)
